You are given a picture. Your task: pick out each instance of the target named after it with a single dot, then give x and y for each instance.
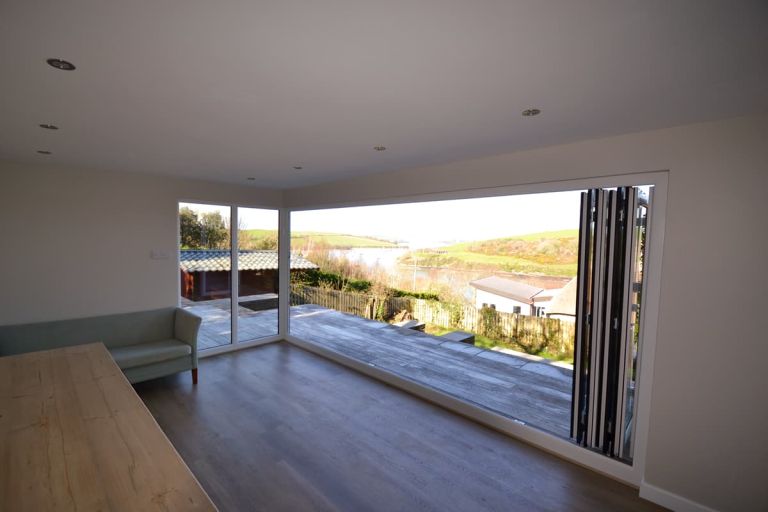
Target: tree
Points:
(264, 242)
(190, 229)
(214, 232)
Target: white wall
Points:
(77, 243)
(708, 438)
(503, 304)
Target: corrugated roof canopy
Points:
(507, 288)
(565, 302)
(193, 260)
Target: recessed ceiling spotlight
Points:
(379, 148)
(251, 179)
(61, 64)
(530, 112)
(43, 152)
(298, 167)
(49, 126)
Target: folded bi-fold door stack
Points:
(611, 246)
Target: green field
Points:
(305, 239)
(552, 253)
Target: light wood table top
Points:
(74, 435)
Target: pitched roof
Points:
(193, 260)
(546, 295)
(565, 302)
(507, 288)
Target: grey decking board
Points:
(538, 395)
(406, 348)
(502, 358)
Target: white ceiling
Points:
(223, 90)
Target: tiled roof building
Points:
(194, 260)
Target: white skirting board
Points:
(232, 347)
(671, 500)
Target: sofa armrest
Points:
(185, 328)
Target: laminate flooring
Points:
(275, 428)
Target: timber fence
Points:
(532, 334)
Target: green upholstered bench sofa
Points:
(144, 344)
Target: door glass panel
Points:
(205, 277)
(257, 273)
(640, 226)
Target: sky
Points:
(429, 223)
(436, 222)
(432, 223)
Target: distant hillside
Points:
(553, 253)
(301, 239)
(307, 239)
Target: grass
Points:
(563, 233)
(556, 357)
(480, 341)
(489, 344)
(338, 241)
(303, 239)
(552, 253)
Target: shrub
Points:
(416, 295)
(331, 280)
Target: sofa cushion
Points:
(148, 353)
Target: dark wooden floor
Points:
(275, 428)
(535, 393)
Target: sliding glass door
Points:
(215, 280)
(257, 273)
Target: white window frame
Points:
(234, 282)
(629, 474)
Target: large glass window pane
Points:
(479, 295)
(204, 260)
(257, 273)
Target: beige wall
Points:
(77, 243)
(708, 438)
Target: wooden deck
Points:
(534, 392)
(216, 329)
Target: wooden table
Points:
(75, 436)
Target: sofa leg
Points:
(194, 376)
